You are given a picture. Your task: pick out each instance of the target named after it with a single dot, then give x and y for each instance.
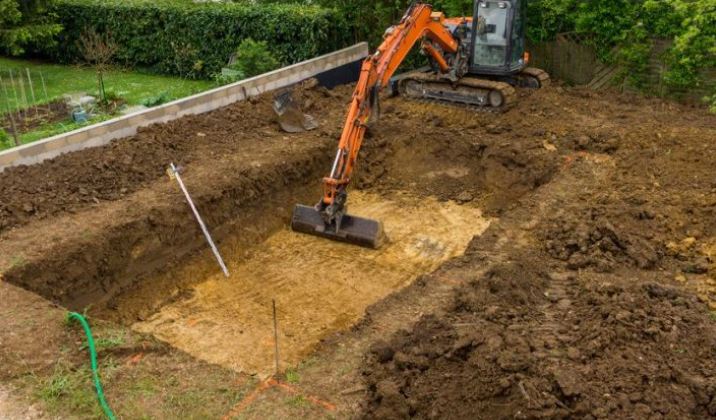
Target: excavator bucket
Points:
(353, 230)
(290, 117)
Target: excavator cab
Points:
(498, 37)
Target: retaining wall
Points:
(337, 67)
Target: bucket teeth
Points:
(354, 230)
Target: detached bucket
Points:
(290, 117)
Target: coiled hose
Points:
(93, 359)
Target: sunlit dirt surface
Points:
(319, 286)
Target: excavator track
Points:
(534, 78)
(474, 92)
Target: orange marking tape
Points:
(328, 406)
(241, 406)
(135, 359)
(266, 385)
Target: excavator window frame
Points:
(509, 67)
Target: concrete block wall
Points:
(126, 126)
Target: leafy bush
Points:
(370, 18)
(113, 96)
(156, 100)
(196, 40)
(225, 78)
(711, 102)
(26, 24)
(254, 58)
(694, 43)
(5, 141)
(251, 59)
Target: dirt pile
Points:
(519, 343)
(582, 312)
(454, 154)
(590, 242)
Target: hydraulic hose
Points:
(93, 359)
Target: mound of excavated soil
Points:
(454, 154)
(591, 299)
(519, 343)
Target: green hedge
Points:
(196, 40)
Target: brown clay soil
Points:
(596, 303)
(590, 295)
(75, 181)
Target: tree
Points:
(98, 50)
(26, 23)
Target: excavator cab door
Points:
(498, 39)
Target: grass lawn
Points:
(61, 79)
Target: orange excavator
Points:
(475, 61)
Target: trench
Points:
(320, 287)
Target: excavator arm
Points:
(459, 49)
(419, 22)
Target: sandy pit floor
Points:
(320, 287)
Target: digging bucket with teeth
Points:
(352, 229)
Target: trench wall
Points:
(331, 69)
(91, 270)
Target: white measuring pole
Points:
(198, 218)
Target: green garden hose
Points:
(93, 359)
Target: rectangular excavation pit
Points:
(148, 265)
(320, 286)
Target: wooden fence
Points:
(571, 59)
(567, 58)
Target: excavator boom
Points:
(328, 218)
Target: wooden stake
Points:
(275, 335)
(32, 92)
(9, 113)
(4, 89)
(14, 93)
(14, 130)
(47, 100)
(24, 95)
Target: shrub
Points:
(711, 102)
(26, 24)
(254, 58)
(251, 59)
(632, 25)
(196, 40)
(5, 141)
(225, 78)
(156, 100)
